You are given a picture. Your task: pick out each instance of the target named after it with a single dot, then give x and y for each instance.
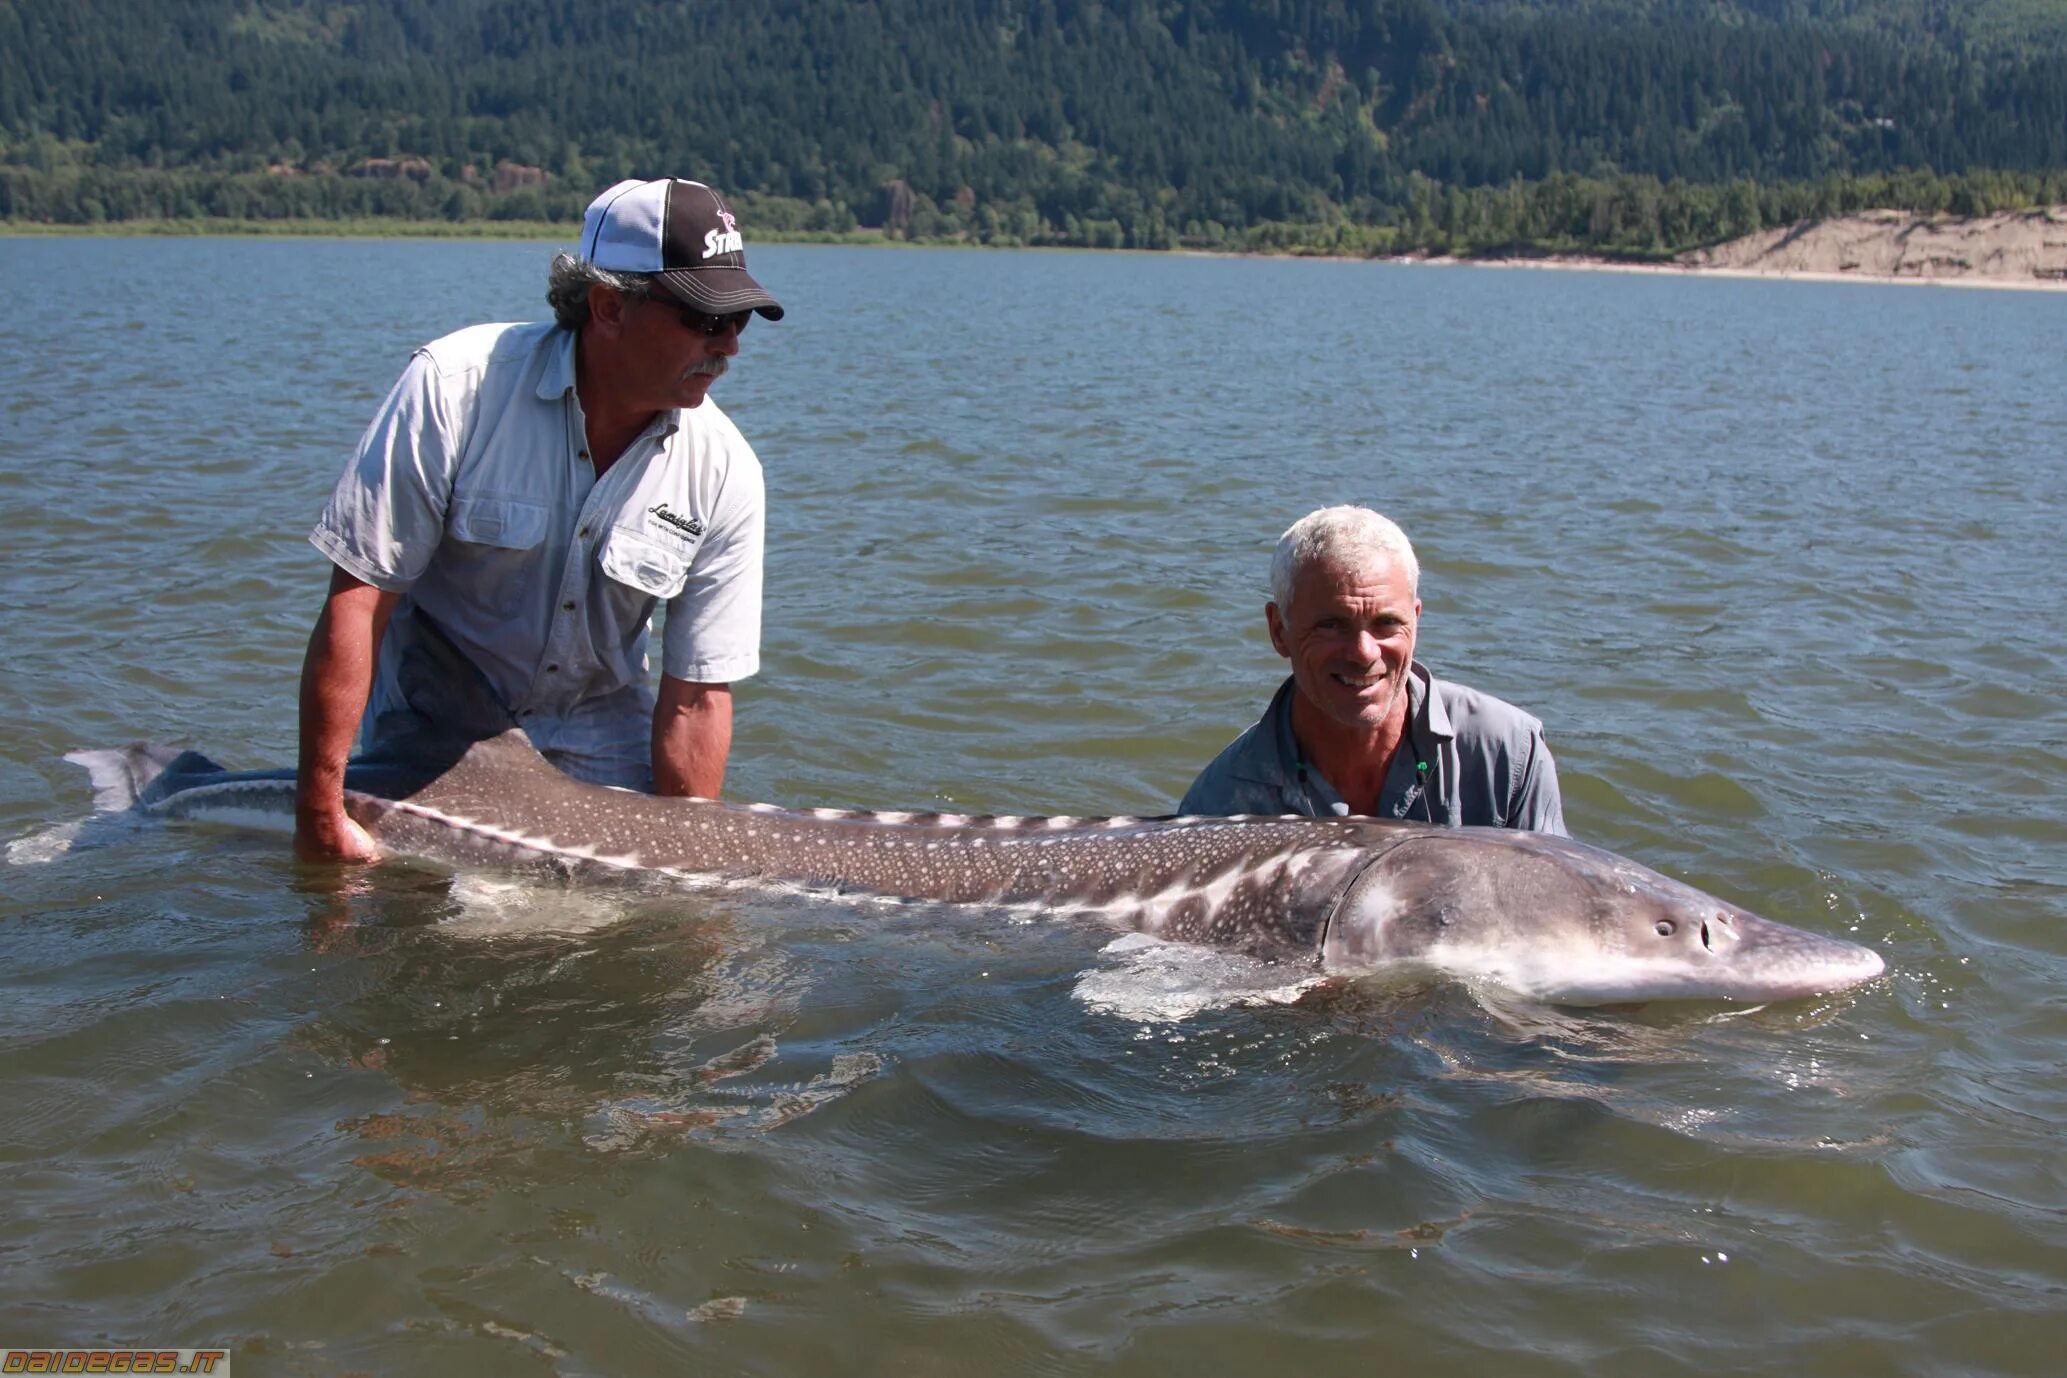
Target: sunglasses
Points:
(703, 320)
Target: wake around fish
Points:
(1542, 917)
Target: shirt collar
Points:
(556, 380)
(1279, 715)
(1427, 720)
(1425, 706)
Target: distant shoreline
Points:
(1582, 263)
(2018, 251)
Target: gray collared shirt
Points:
(473, 493)
(1468, 760)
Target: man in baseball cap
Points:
(524, 499)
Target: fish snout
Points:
(1769, 960)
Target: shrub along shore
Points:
(1625, 226)
(1621, 216)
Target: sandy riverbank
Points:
(2022, 249)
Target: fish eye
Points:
(1666, 927)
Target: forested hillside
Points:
(1341, 125)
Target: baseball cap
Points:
(681, 230)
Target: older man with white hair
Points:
(1361, 727)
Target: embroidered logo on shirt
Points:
(688, 526)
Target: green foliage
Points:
(1340, 126)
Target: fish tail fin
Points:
(140, 773)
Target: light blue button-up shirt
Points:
(1468, 759)
(474, 495)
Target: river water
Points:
(1779, 564)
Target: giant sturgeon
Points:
(1544, 917)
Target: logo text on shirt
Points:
(688, 526)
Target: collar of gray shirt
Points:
(1414, 782)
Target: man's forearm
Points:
(330, 682)
(336, 679)
(692, 738)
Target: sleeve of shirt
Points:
(387, 515)
(1225, 786)
(713, 630)
(1207, 795)
(1538, 805)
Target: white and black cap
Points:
(683, 231)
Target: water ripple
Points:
(1778, 564)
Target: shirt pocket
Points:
(492, 560)
(499, 522)
(638, 562)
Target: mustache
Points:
(715, 366)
